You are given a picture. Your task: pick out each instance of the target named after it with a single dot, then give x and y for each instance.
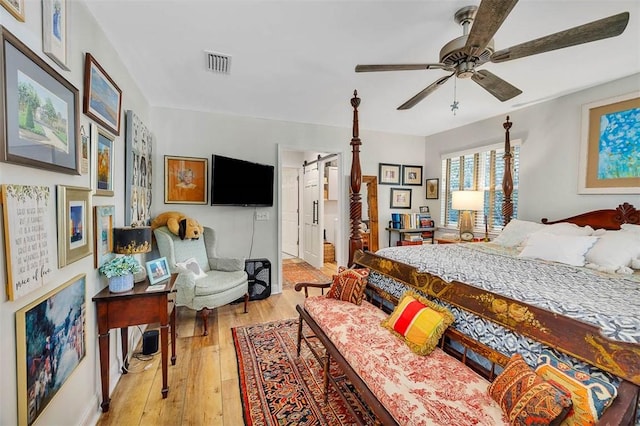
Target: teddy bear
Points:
(179, 224)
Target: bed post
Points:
(355, 205)
(507, 179)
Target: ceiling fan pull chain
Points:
(454, 105)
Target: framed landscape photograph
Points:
(400, 198)
(432, 188)
(412, 175)
(610, 146)
(74, 224)
(50, 344)
(158, 270)
(54, 31)
(389, 174)
(103, 153)
(102, 96)
(40, 112)
(185, 180)
(103, 220)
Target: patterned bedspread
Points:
(611, 302)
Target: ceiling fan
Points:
(463, 56)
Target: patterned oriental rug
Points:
(296, 271)
(278, 388)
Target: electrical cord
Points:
(139, 356)
(253, 231)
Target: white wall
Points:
(549, 157)
(78, 400)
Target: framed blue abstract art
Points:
(611, 146)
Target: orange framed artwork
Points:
(186, 180)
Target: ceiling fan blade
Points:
(426, 92)
(400, 67)
(596, 30)
(489, 17)
(495, 85)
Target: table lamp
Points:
(133, 240)
(465, 202)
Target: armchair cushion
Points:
(228, 264)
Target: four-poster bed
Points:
(538, 326)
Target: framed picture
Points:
(424, 209)
(103, 220)
(85, 151)
(102, 97)
(50, 344)
(158, 270)
(15, 7)
(74, 224)
(54, 31)
(433, 189)
(400, 198)
(389, 174)
(185, 180)
(103, 153)
(412, 175)
(138, 154)
(28, 245)
(610, 146)
(40, 112)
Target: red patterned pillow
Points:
(349, 285)
(526, 398)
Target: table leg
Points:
(173, 336)
(103, 340)
(164, 335)
(124, 340)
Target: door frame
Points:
(341, 244)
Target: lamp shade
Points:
(467, 200)
(131, 240)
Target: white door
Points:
(312, 241)
(290, 221)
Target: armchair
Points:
(225, 280)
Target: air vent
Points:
(218, 62)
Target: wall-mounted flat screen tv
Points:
(237, 182)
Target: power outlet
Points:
(262, 215)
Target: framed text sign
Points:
(27, 241)
(138, 171)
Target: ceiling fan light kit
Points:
(462, 56)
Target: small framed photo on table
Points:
(158, 270)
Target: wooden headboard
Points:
(607, 218)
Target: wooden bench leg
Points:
(299, 333)
(327, 363)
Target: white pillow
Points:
(516, 232)
(569, 249)
(566, 228)
(628, 227)
(191, 265)
(614, 251)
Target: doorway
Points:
(311, 201)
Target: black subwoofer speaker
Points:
(149, 342)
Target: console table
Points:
(135, 307)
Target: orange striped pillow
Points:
(419, 322)
(349, 285)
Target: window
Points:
(480, 170)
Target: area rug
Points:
(279, 388)
(299, 271)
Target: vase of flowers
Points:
(120, 272)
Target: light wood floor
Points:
(203, 385)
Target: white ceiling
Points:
(294, 60)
